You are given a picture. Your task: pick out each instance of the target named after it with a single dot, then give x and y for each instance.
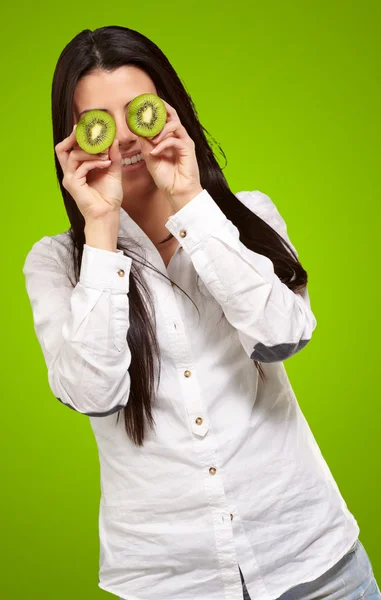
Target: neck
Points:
(151, 211)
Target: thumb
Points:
(146, 146)
(116, 158)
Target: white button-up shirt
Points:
(232, 474)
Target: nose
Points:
(123, 133)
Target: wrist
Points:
(178, 201)
(103, 232)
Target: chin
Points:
(143, 185)
(132, 191)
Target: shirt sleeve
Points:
(82, 330)
(272, 321)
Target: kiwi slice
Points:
(95, 131)
(146, 115)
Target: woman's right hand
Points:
(93, 180)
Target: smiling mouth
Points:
(133, 160)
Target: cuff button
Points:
(121, 273)
(183, 233)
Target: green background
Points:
(292, 93)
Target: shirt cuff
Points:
(103, 269)
(196, 220)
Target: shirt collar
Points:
(130, 229)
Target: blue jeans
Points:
(349, 579)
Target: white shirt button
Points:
(121, 273)
(187, 373)
(212, 470)
(199, 425)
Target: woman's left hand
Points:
(173, 163)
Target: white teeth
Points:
(132, 160)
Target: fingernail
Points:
(75, 126)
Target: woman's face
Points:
(112, 92)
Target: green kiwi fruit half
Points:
(146, 115)
(95, 131)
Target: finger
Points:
(172, 127)
(89, 166)
(146, 146)
(63, 148)
(81, 155)
(172, 142)
(76, 157)
(172, 114)
(116, 159)
(71, 183)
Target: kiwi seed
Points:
(95, 131)
(147, 115)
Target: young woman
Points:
(164, 314)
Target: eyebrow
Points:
(105, 109)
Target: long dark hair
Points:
(109, 48)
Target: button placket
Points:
(221, 517)
(191, 395)
(199, 423)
